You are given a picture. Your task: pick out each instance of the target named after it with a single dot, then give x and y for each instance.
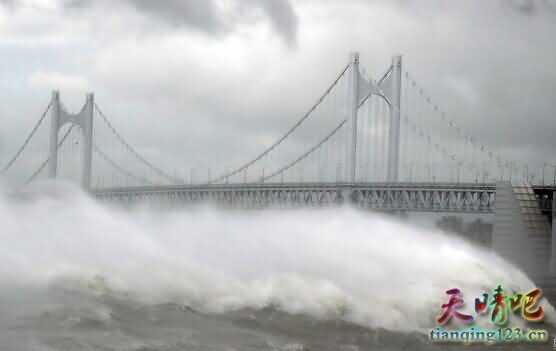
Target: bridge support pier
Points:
(521, 233)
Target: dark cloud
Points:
(201, 15)
(532, 7)
(282, 17)
(193, 102)
(8, 3)
(206, 16)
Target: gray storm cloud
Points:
(207, 16)
(222, 95)
(532, 7)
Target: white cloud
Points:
(59, 81)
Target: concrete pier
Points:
(521, 232)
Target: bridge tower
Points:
(390, 87)
(354, 109)
(395, 112)
(84, 120)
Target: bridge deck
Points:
(428, 197)
(298, 186)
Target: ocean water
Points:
(79, 275)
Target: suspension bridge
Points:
(381, 144)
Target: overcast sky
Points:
(194, 82)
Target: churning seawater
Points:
(79, 275)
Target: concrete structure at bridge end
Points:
(553, 256)
(521, 233)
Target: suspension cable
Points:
(41, 167)
(287, 134)
(307, 153)
(120, 169)
(27, 140)
(485, 151)
(134, 152)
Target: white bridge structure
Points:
(380, 144)
(399, 197)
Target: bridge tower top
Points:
(84, 120)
